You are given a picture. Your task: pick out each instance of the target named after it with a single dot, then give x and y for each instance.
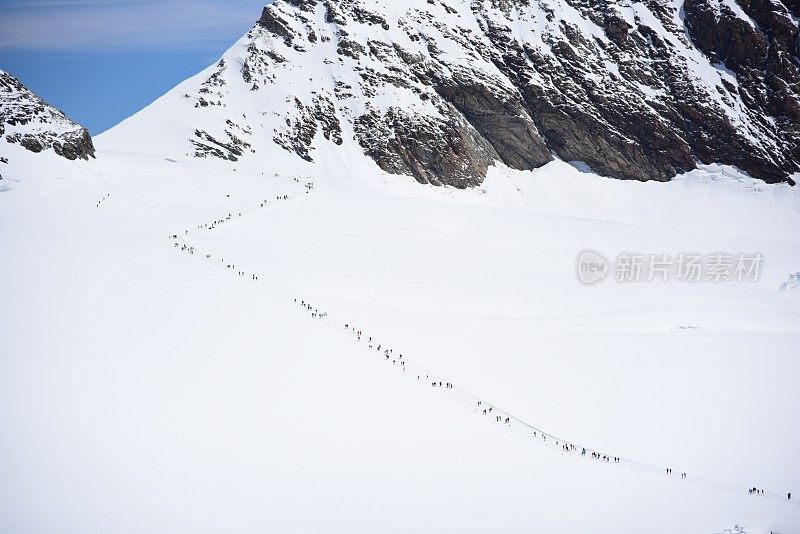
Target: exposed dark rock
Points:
(362, 15)
(434, 151)
(616, 28)
(350, 48)
(725, 38)
(325, 114)
(305, 5)
(37, 126)
(763, 54)
(305, 122)
(624, 90)
(74, 145)
(207, 146)
(303, 125)
(333, 13)
(29, 142)
(499, 116)
(273, 23)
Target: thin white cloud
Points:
(74, 25)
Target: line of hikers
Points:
(388, 353)
(309, 186)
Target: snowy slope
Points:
(144, 387)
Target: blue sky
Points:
(102, 60)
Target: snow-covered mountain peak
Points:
(28, 121)
(442, 89)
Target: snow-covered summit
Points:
(29, 121)
(442, 89)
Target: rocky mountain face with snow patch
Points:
(27, 120)
(442, 89)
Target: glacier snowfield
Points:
(144, 388)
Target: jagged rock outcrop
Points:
(27, 120)
(759, 44)
(442, 89)
(434, 151)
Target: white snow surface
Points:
(146, 389)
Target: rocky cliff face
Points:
(27, 120)
(441, 89)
